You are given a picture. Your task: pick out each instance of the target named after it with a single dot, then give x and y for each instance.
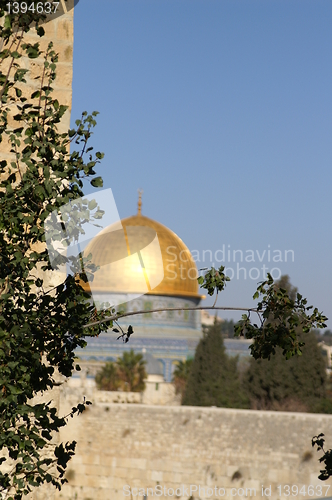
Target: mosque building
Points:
(143, 266)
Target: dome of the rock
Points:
(147, 272)
(131, 260)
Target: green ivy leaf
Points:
(97, 182)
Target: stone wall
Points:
(60, 32)
(145, 446)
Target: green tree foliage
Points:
(281, 317)
(39, 328)
(126, 374)
(213, 281)
(284, 283)
(213, 380)
(107, 378)
(296, 384)
(181, 375)
(227, 328)
(131, 369)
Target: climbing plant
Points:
(40, 327)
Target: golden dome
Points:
(168, 267)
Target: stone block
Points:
(65, 52)
(156, 475)
(63, 96)
(90, 459)
(272, 475)
(172, 477)
(120, 472)
(65, 29)
(139, 474)
(136, 463)
(109, 460)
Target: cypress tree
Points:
(213, 380)
(297, 384)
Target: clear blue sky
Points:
(221, 110)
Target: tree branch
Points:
(162, 309)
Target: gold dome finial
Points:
(139, 204)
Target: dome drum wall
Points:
(167, 349)
(170, 319)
